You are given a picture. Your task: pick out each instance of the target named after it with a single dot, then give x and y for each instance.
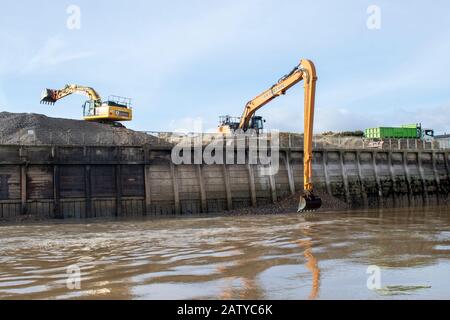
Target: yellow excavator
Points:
(111, 111)
(304, 71)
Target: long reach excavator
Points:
(304, 71)
(111, 111)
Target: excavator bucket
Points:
(47, 96)
(309, 202)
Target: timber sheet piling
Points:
(104, 181)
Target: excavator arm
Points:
(308, 201)
(280, 88)
(50, 96)
(305, 71)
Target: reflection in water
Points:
(246, 257)
(311, 264)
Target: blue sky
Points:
(182, 61)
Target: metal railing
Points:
(158, 138)
(293, 140)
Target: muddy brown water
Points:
(388, 254)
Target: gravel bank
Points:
(30, 128)
(290, 204)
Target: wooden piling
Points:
(273, 188)
(361, 179)
(148, 190)
(56, 193)
(201, 183)
(392, 175)
(290, 172)
(147, 182)
(118, 172)
(407, 175)
(176, 192)
(251, 182)
(377, 178)
(344, 176)
(23, 188)
(422, 178)
(436, 176)
(325, 171)
(447, 166)
(226, 178)
(88, 192)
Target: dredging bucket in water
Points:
(309, 202)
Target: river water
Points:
(389, 254)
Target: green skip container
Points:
(405, 132)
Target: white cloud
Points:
(341, 119)
(55, 51)
(289, 117)
(422, 70)
(189, 39)
(13, 52)
(434, 117)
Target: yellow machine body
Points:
(112, 113)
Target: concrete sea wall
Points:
(102, 181)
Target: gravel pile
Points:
(30, 128)
(290, 205)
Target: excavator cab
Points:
(89, 108)
(229, 124)
(257, 123)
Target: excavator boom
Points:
(305, 71)
(308, 201)
(280, 88)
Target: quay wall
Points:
(109, 181)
